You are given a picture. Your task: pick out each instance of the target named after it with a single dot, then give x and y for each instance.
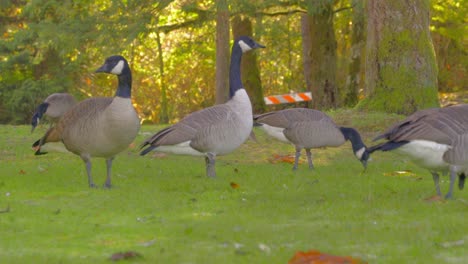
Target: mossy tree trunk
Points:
(401, 70)
(353, 81)
(222, 52)
(319, 54)
(249, 67)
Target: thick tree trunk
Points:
(319, 46)
(222, 52)
(353, 81)
(401, 70)
(249, 67)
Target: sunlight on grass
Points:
(164, 208)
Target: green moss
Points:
(407, 72)
(396, 92)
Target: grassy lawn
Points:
(257, 211)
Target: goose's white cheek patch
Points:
(244, 46)
(118, 68)
(360, 152)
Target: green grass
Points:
(164, 208)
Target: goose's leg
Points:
(109, 170)
(87, 160)
(453, 176)
(210, 165)
(309, 158)
(296, 158)
(435, 177)
(461, 181)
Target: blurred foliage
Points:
(50, 45)
(450, 36)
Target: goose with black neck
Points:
(99, 126)
(216, 130)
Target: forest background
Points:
(395, 56)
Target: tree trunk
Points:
(401, 70)
(307, 59)
(163, 114)
(249, 67)
(222, 52)
(319, 49)
(353, 81)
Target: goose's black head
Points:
(359, 148)
(363, 156)
(247, 43)
(116, 64)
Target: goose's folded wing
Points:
(438, 128)
(190, 126)
(275, 119)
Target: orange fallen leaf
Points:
(316, 257)
(234, 185)
(282, 158)
(435, 198)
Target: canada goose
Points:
(216, 130)
(434, 139)
(307, 129)
(54, 106)
(100, 126)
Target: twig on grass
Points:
(6, 210)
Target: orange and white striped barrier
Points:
(288, 98)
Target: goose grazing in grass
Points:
(216, 130)
(434, 139)
(308, 129)
(100, 126)
(54, 106)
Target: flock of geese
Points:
(436, 139)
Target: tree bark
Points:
(222, 52)
(401, 70)
(163, 114)
(353, 81)
(249, 67)
(319, 49)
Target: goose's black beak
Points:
(103, 68)
(364, 164)
(258, 45)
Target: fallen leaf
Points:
(264, 248)
(403, 173)
(450, 244)
(234, 185)
(434, 198)
(125, 255)
(316, 257)
(22, 172)
(282, 158)
(159, 155)
(6, 210)
(148, 243)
